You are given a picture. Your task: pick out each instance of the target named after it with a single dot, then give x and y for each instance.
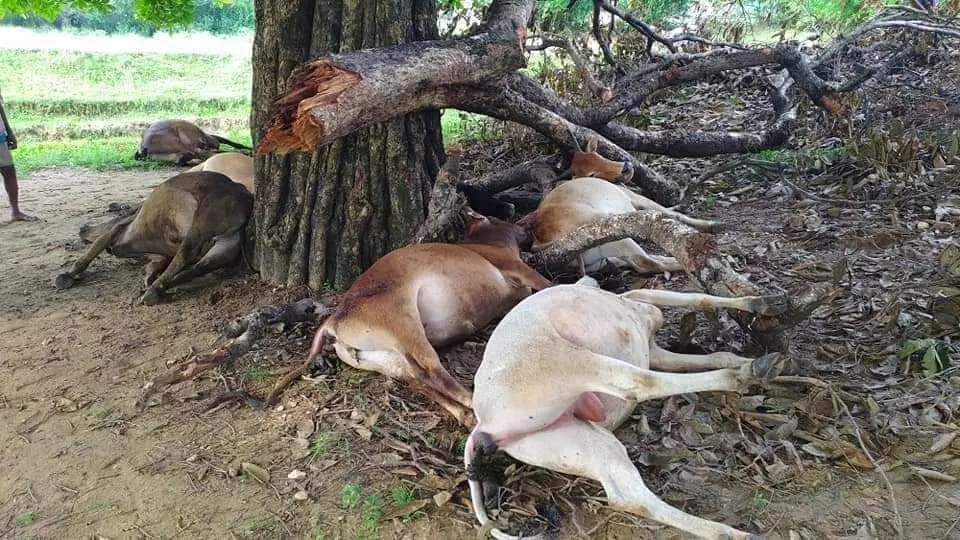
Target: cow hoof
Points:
(150, 298)
(767, 366)
(770, 306)
(64, 281)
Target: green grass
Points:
(107, 153)
(26, 518)
(258, 373)
(350, 496)
(81, 109)
(100, 154)
(370, 518)
(402, 495)
(70, 76)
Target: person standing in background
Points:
(8, 142)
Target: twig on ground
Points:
(245, 332)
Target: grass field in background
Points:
(88, 109)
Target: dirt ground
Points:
(79, 460)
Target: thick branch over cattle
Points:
(695, 143)
(335, 96)
(687, 244)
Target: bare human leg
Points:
(13, 192)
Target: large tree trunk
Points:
(321, 218)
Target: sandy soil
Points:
(79, 460)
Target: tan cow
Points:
(567, 366)
(189, 225)
(180, 142)
(429, 295)
(237, 166)
(581, 200)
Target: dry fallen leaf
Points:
(363, 432)
(257, 472)
(442, 498)
(66, 405)
(933, 475)
(942, 441)
(305, 428)
(404, 509)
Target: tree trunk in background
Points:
(322, 218)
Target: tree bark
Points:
(323, 217)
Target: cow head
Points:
(588, 162)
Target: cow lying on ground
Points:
(568, 365)
(429, 295)
(581, 200)
(180, 142)
(188, 225)
(238, 167)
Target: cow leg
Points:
(642, 203)
(598, 373)
(584, 449)
(153, 268)
(189, 251)
(224, 251)
(419, 350)
(629, 252)
(67, 279)
(762, 305)
(662, 359)
(396, 366)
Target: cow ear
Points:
(591, 145)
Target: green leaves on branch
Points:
(163, 14)
(49, 9)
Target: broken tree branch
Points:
(335, 95)
(244, 333)
(696, 143)
(511, 105)
(604, 43)
(445, 213)
(594, 87)
(639, 25)
(688, 245)
(542, 171)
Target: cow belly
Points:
(452, 309)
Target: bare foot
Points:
(20, 216)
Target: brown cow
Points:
(429, 295)
(237, 166)
(188, 225)
(179, 142)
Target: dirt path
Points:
(76, 462)
(79, 461)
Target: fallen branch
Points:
(508, 104)
(335, 95)
(593, 86)
(542, 171)
(688, 245)
(695, 143)
(445, 213)
(244, 333)
(640, 26)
